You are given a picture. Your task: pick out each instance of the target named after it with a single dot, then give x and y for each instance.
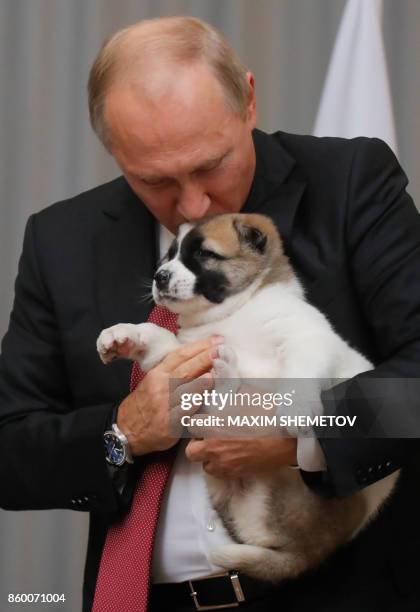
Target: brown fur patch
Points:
(219, 231)
(220, 235)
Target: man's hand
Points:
(144, 415)
(238, 458)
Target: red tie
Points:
(124, 573)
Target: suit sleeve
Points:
(383, 242)
(52, 455)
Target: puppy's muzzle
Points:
(162, 278)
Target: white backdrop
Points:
(47, 153)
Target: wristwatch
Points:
(117, 450)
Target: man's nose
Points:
(193, 202)
(162, 278)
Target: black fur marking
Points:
(173, 249)
(207, 254)
(212, 284)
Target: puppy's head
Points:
(218, 258)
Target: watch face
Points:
(115, 452)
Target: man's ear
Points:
(251, 115)
(251, 236)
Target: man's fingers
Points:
(196, 366)
(208, 431)
(185, 396)
(196, 450)
(186, 399)
(187, 352)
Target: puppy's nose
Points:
(162, 279)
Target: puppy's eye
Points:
(206, 254)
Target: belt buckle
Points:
(236, 587)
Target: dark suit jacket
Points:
(353, 236)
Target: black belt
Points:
(225, 590)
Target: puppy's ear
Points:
(250, 235)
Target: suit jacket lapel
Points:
(278, 187)
(277, 191)
(125, 258)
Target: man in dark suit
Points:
(183, 132)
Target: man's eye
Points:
(207, 170)
(153, 185)
(156, 184)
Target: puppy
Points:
(228, 275)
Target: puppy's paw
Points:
(123, 341)
(225, 366)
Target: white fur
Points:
(182, 281)
(270, 332)
(289, 338)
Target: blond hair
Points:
(178, 39)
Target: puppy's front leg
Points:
(146, 343)
(225, 370)
(225, 366)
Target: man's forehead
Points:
(183, 123)
(168, 97)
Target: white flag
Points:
(356, 100)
